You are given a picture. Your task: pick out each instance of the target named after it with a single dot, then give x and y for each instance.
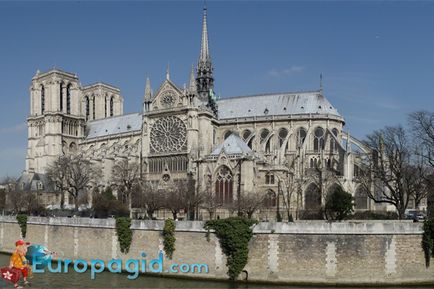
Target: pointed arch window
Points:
(333, 143)
(318, 141)
(111, 106)
(68, 98)
(61, 96)
(87, 104)
(283, 133)
(224, 186)
(93, 107)
(301, 136)
(270, 200)
(42, 99)
(361, 199)
(105, 106)
(247, 137)
(269, 179)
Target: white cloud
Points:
(12, 129)
(286, 71)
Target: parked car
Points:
(414, 215)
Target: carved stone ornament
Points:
(168, 134)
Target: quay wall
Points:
(304, 252)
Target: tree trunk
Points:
(130, 206)
(76, 202)
(150, 213)
(62, 200)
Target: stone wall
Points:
(302, 252)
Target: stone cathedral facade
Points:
(264, 144)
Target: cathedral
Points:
(288, 147)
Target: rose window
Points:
(168, 134)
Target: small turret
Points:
(148, 95)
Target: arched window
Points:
(357, 171)
(61, 97)
(246, 134)
(361, 199)
(283, 133)
(87, 104)
(42, 99)
(312, 198)
(333, 144)
(224, 186)
(318, 141)
(68, 98)
(105, 106)
(93, 107)
(264, 135)
(111, 106)
(301, 136)
(269, 179)
(270, 200)
(247, 137)
(335, 132)
(227, 134)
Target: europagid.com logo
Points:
(133, 266)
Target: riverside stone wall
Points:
(302, 252)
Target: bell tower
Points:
(56, 122)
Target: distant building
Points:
(268, 143)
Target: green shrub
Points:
(428, 240)
(22, 221)
(105, 204)
(234, 235)
(339, 205)
(169, 237)
(124, 232)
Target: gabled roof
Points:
(275, 104)
(114, 125)
(28, 182)
(233, 145)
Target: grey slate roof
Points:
(275, 104)
(31, 180)
(233, 145)
(114, 125)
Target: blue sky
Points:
(377, 57)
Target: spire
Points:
(192, 84)
(204, 49)
(148, 91)
(205, 78)
(168, 72)
(320, 83)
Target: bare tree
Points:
(57, 174)
(72, 173)
(390, 174)
(125, 175)
(422, 126)
(209, 201)
(250, 202)
(176, 199)
(291, 187)
(147, 197)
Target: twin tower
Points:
(60, 107)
